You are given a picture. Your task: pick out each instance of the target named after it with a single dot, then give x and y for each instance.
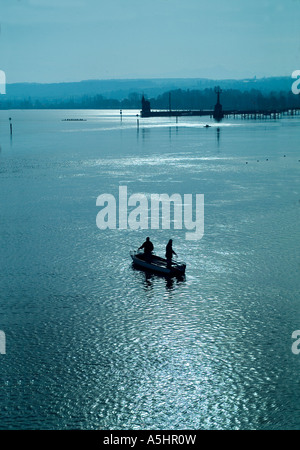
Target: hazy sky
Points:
(73, 40)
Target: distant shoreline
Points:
(272, 94)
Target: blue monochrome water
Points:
(92, 343)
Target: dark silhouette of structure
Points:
(218, 111)
(146, 109)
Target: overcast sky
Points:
(73, 40)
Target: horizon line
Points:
(152, 78)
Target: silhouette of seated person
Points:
(148, 248)
(169, 253)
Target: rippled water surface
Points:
(92, 343)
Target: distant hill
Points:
(121, 89)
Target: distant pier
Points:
(218, 113)
(262, 114)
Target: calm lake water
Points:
(92, 343)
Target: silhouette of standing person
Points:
(169, 253)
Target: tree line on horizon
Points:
(178, 99)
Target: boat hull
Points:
(158, 265)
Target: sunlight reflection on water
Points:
(93, 343)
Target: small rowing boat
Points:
(157, 264)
